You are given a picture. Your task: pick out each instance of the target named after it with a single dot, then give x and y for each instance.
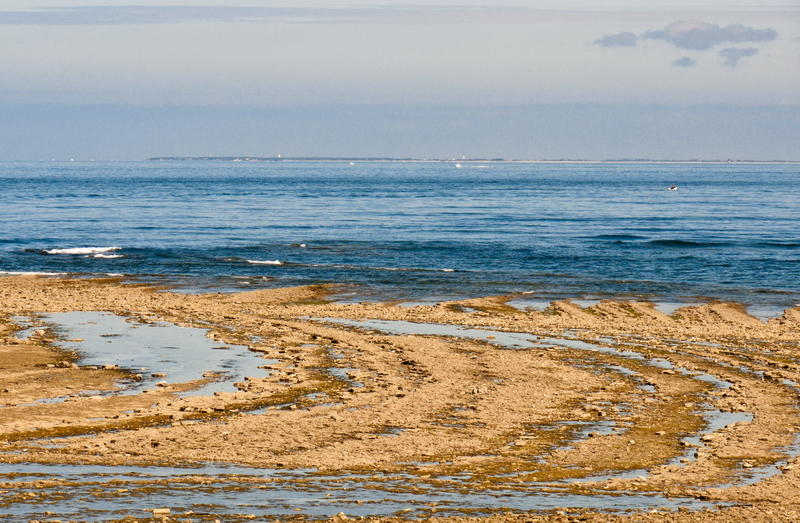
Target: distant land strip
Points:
(382, 159)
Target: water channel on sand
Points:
(714, 418)
(99, 492)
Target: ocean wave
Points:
(618, 237)
(266, 262)
(81, 250)
(368, 268)
(108, 256)
(685, 243)
(410, 269)
(779, 245)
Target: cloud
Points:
(399, 13)
(115, 15)
(732, 55)
(685, 62)
(618, 40)
(699, 36)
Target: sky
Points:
(577, 79)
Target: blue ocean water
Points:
(414, 230)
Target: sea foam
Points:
(82, 250)
(268, 262)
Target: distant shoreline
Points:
(442, 160)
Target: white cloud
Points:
(700, 36)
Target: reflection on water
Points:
(114, 492)
(153, 351)
(106, 492)
(669, 308)
(765, 312)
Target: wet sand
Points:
(572, 411)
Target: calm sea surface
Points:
(414, 231)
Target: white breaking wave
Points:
(82, 250)
(107, 256)
(268, 262)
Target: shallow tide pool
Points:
(104, 492)
(157, 351)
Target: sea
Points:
(414, 232)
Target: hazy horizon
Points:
(47, 131)
(132, 79)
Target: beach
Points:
(687, 416)
(399, 263)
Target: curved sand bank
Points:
(613, 399)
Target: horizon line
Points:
(280, 158)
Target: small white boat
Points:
(673, 187)
(458, 165)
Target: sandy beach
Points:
(344, 397)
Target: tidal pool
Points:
(102, 493)
(157, 351)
